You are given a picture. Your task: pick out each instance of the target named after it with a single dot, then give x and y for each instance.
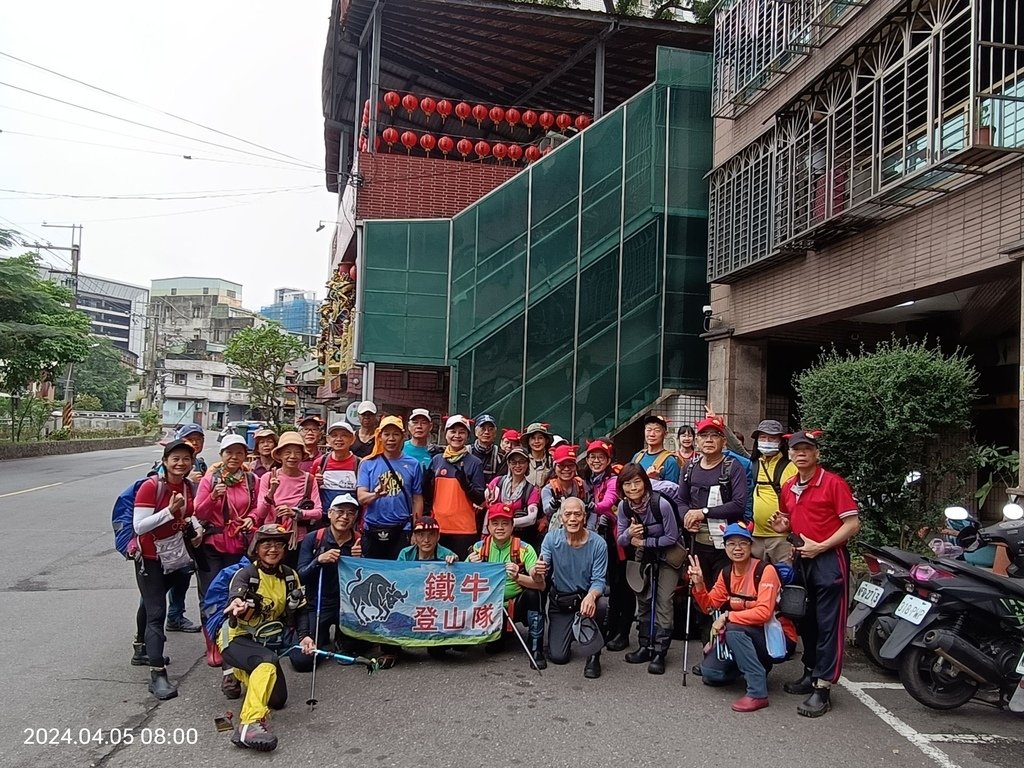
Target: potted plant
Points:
(1001, 465)
(984, 131)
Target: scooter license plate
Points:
(913, 609)
(1020, 665)
(869, 594)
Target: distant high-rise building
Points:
(297, 311)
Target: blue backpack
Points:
(216, 598)
(122, 516)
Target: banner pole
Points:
(522, 642)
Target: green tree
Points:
(103, 375)
(702, 9)
(86, 402)
(899, 409)
(39, 334)
(259, 356)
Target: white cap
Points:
(367, 406)
(230, 440)
(345, 498)
(419, 412)
(557, 440)
(455, 421)
(341, 425)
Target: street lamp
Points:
(323, 224)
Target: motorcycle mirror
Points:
(912, 477)
(956, 513)
(1013, 512)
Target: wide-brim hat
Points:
(264, 433)
(536, 428)
(268, 533)
(587, 634)
(286, 439)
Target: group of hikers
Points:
(591, 548)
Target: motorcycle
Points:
(877, 598)
(960, 634)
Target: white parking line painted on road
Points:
(29, 490)
(134, 466)
(869, 686)
(919, 740)
(970, 738)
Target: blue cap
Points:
(735, 529)
(188, 429)
(485, 418)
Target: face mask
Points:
(768, 449)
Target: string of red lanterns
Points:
(497, 115)
(465, 147)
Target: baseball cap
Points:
(311, 417)
(653, 418)
(808, 436)
(343, 500)
(230, 440)
(600, 445)
(188, 429)
(175, 445)
(500, 510)
(367, 406)
(768, 427)
(341, 425)
(456, 420)
(564, 454)
(516, 450)
(426, 523)
(511, 435)
(557, 440)
(419, 412)
(485, 418)
(711, 424)
(735, 529)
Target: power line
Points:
(152, 127)
(151, 108)
(163, 195)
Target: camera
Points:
(707, 310)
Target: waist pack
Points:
(172, 552)
(567, 602)
(793, 601)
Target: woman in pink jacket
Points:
(288, 496)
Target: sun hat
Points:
(286, 439)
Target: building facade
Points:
(297, 311)
(866, 182)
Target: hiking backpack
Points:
(724, 481)
(122, 516)
(218, 593)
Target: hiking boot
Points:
(592, 670)
(254, 736)
(140, 658)
(617, 643)
(802, 686)
(657, 665)
(231, 686)
(817, 704)
(181, 625)
(213, 658)
(749, 704)
(160, 686)
(639, 656)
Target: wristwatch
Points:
(704, 510)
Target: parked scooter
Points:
(877, 598)
(960, 634)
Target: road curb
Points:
(63, 447)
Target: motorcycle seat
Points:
(1015, 586)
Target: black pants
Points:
(246, 654)
(560, 637)
(823, 628)
(712, 562)
(384, 543)
(216, 561)
(621, 600)
(154, 585)
(460, 543)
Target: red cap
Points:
(600, 445)
(500, 510)
(511, 435)
(564, 454)
(714, 423)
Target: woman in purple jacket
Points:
(649, 532)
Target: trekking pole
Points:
(372, 665)
(686, 630)
(653, 575)
(316, 640)
(521, 641)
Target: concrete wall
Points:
(66, 447)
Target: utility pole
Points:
(68, 416)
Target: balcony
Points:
(930, 102)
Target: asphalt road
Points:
(68, 601)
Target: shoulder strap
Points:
(317, 465)
(485, 548)
(777, 474)
(662, 457)
(688, 471)
(725, 478)
(759, 566)
(307, 490)
(320, 533)
(516, 553)
(655, 507)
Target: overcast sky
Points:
(250, 68)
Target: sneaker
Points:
(817, 704)
(749, 704)
(231, 686)
(803, 686)
(254, 736)
(181, 625)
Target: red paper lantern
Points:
(499, 150)
(532, 154)
(390, 136)
(480, 113)
(392, 99)
(497, 115)
(482, 149)
(515, 153)
(408, 139)
(462, 110)
(362, 144)
(582, 122)
(465, 146)
(410, 103)
(428, 105)
(353, 272)
(428, 142)
(547, 151)
(444, 108)
(529, 118)
(512, 115)
(546, 120)
(563, 121)
(445, 144)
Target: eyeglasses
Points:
(272, 544)
(346, 512)
(737, 544)
(309, 429)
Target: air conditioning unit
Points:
(552, 141)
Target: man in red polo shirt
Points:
(819, 510)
